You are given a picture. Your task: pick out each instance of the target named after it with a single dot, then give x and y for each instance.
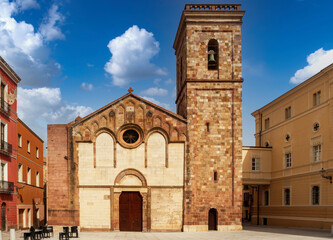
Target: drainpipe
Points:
(260, 132)
(258, 205)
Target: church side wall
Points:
(58, 178)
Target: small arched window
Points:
(213, 54)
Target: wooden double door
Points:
(130, 211)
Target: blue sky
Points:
(73, 57)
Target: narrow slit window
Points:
(215, 176)
(207, 127)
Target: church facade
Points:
(134, 166)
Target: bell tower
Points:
(209, 96)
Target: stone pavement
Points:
(249, 233)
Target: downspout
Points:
(258, 205)
(260, 132)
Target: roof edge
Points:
(9, 71)
(295, 89)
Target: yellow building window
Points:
(315, 195)
(266, 123)
(316, 98)
(288, 112)
(287, 157)
(316, 152)
(287, 196)
(255, 164)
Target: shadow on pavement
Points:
(322, 233)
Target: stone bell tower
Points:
(209, 96)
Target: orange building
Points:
(30, 204)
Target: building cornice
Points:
(9, 71)
(294, 90)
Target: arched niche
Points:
(156, 148)
(130, 176)
(104, 149)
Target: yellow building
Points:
(294, 142)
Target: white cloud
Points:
(86, 86)
(90, 65)
(316, 62)
(48, 105)
(131, 57)
(26, 4)
(154, 91)
(169, 81)
(49, 28)
(24, 48)
(157, 81)
(153, 100)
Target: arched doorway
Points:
(3, 216)
(212, 219)
(130, 211)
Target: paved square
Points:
(249, 232)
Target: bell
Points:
(211, 56)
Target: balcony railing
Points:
(4, 106)
(6, 187)
(6, 147)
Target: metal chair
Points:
(75, 231)
(65, 234)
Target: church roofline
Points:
(122, 98)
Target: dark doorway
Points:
(130, 211)
(212, 219)
(21, 216)
(3, 216)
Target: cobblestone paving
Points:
(249, 232)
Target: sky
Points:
(76, 56)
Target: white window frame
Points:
(6, 90)
(5, 175)
(28, 175)
(316, 153)
(37, 178)
(20, 172)
(6, 130)
(28, 146)
(19, 136)
(37, 152)
(256, 163)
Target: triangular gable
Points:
(123, 98)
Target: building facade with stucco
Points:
(134, 166)
(287, 175)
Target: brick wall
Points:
(60, 211)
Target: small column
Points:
(12, 234)
(115, 215)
